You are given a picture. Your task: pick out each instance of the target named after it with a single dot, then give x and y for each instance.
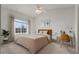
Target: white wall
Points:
(0, 19)
(63, 19)
(32, 26)
(5, 13)
(4, 18)
(77, 24)
(77, 27)
(60, 19)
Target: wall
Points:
(5, 13)
(0, 19)
(32, 26)
(4, 18)
(78, 29)
(60, 19)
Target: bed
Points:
(32, 42)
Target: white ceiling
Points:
(29, 9)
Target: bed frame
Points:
(49, 32)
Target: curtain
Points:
(28, 26)
(11, 28)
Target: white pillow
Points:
(44, 32)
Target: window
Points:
(21, 27)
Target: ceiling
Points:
(29, 9)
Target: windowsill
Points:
(20, 33)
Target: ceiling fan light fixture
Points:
(38, 10)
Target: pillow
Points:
(44, 32)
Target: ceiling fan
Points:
(38, 9)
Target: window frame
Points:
(23, 21)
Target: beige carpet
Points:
(52, 48)
(55, 48)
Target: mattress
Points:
(32, 42)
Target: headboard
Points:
(49, 31)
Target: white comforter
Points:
(33, 42)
